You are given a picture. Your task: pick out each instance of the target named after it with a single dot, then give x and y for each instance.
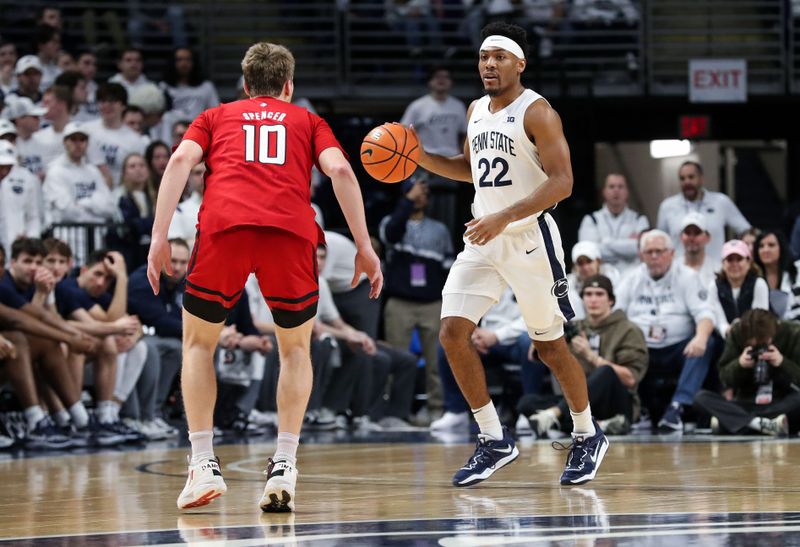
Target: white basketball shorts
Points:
(528, 259)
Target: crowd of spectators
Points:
(673, 325)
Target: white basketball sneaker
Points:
(203, 485)
(279, 492)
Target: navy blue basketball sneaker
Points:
(489, 456)
(585, 456)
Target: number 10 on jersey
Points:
(270, 143)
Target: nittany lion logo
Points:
(560, 288)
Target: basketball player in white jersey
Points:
(517, 157)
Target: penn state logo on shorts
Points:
(560, 288)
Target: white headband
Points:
(502, 42)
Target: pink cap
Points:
(735, 247)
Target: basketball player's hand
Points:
(481, 231)
(367, 262)
(696, 347)
(159, 259)
(7, 348)
(422, 159)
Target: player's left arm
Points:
(188, 154)
(543, 126)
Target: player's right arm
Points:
(348, 194)
(188, 154)
(455, 167)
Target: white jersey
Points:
(505, 163)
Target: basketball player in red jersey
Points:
(255, 217)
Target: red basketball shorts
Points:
(284, 263)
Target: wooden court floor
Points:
(650, 491)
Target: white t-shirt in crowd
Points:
(20, 206)
(189, 101)
(50, 144)
(111, 146)
(668, 309)
(77, 193)
(760, 302)
(616, 235)
(439, 124)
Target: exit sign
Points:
(695, 127)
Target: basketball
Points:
(389, 152)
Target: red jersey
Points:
(258, 154)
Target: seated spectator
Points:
(8, 60)
(191, 93)
(133, 117)
(358, 385)
(137, 209)
(184, 221)
(780, 270)
(614, 227)
(74, 189)
(110, 140)
(761, 362)
(613, 354)
(50, 140)
(666, 300)
(87, 66)
(586, 262)
(738, 287)
(26, 119)
(162, 314)
(20, 193)
(157, 156)
(795, 238)
(501, 337)
(749, 236)
(694, 240)
(29, 75)
(419, 253)
(75, 82)
(47, 40)
(131, 70)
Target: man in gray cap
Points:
(29, 77)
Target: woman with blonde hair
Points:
(136, 202)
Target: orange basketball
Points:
(389, 152)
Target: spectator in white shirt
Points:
(58, 102)
(131, 70)
(587, 261)
(29, 76)
(615, 227)
(87, 66)
(133, 117)
(8, 59)
(718, 208)
(190, 91)
(738, 287)
(667, 301)
(76, 82)
(25, 117)
(8, 132)
(694, 241)
(20, 214)
(48, 44)
(110, 139)
(74, 189)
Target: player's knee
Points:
(552, 353)
(295, 355)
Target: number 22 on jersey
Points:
(268, 140)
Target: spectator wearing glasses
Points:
(666, 300)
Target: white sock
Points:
(488, 421)
(79, 415)
(582, 422)
(105, 412)
(202, 445)
(287, 447)
(61, 417)
(33, 414)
